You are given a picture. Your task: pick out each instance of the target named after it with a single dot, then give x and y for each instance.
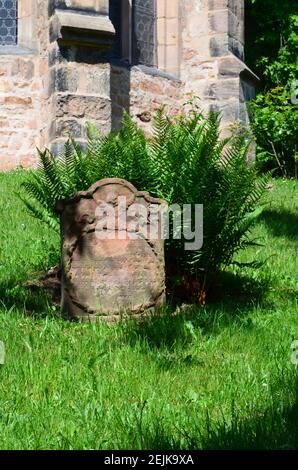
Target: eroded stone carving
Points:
(113, 275)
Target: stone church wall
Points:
(61, 74)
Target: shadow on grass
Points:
(232, 301)
(232, 297)
(275, 428)
(281, 223)
(31, 297)
(37, 303)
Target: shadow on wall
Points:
(120, 68)
(120, 93)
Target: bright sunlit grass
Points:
(217, 377)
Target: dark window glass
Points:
(8, 22)
(144, 31)
(115, 17)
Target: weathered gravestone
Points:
(112, 252)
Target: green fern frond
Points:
(185, 161)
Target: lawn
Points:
(218, 377)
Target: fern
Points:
(185, 161)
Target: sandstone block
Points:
(236, 47)
(89, 107)
(18, 101)
(96, 80)
(218, 4)
(67, 79)
(68, 127)
(229, 67)
(218, 45)
(218, 22)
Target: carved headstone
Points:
(112, 252)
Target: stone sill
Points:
(153, 71)
(156, 72)
(79, 20)
(16, 50)
(73, 27)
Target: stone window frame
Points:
(168, 35)
(26, 29)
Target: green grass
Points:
(219, 377)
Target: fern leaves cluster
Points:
(184, 162)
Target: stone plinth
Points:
(112, 258)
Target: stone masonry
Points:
(62, 74)
(23, 88)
